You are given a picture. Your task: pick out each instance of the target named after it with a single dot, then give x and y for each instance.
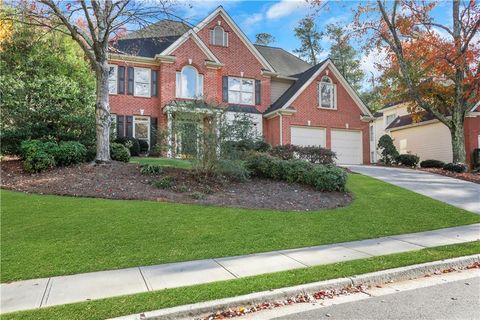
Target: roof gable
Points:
(220, 11)
(196, 39)
(306, 79)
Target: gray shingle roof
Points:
(162, 28)
(283, 61)
(303, 78)
(143, 47)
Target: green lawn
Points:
(51, 235)
(118, 306)
(185, 164)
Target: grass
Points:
(45, 236)
(183, 164)
(118, 306)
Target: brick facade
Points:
(472, 133)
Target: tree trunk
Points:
(458, 138)
(102, 113)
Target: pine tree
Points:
(309, 37)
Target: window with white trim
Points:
(189, 84)
(219, 37)
(327, 94)
(141, 128)
(241, 91)
(142, 85)
(112, 79)
(389, 119)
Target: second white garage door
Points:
(308, 136)
(347, 144)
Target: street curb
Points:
(374, 278)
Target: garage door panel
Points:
(347, 144)
(307, 136)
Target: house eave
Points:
(131, 58)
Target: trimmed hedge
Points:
(409, 160)
(119, 152)
(432, 163)
(132, 144)
(38, 155)
(321, 177)
(311, 154)
(455, 167)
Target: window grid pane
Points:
(241, 90)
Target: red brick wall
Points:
(347, 112)
(472, 130)
(271, 130)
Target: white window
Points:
(219, 37)
(141, 128)
(241, 91)
(142, 82)
(389, 119)
(327, 94)
(112, 79)
(189, 83)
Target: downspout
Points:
(281, 129)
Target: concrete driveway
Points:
(459, 193)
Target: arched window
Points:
(189, 83)
(219, 37)
(327, 94)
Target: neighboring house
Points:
(424, 135)
(155, 69)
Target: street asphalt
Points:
(453, 300)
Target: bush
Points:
(132, 144)
(284, 152)
(315, 154)
(455, 167)
(432, 164)
(164, 183)
(388, 151)
(198, 195)
(119, 152)
(322, 177)
(38, 161)
(70, 152)
(409, 160)
(261, 146)
(151, 169)
(91, 153)
(232, 169)
(143, 146)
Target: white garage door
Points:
(308, 136)
(347, 144)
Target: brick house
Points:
(152, 71)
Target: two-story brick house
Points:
(153, 70)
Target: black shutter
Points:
(258, 92)
(130, 126)
(225, 89)
(153, 132)
(121, 80)
(154, 83)
(120, 126)
(130, 81)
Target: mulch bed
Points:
(123, 181)
(467, 176)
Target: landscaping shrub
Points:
(388, 151)
(455, 167)
(70, 152)
(232, 169)
(322, 177)
(315, 154)
(151, 169)
(143, 146)
(91, 153)
(164, 183)
(284, 152)
(119, 152)
(38, 161)
(261, 146)
(432, 164)
(132, 144)
(198, 195)
(409, 160)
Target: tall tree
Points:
(344, 55)
(433, 64)
(264, 39)
(309, 37)
(93, 24)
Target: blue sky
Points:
(280, 17)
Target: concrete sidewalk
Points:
(456, 192)
(37, 293)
